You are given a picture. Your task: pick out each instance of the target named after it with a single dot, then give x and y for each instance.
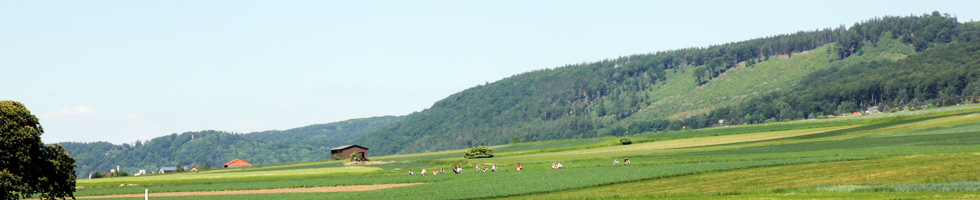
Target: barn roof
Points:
(349, 146)
(238, 162)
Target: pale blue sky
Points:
(120, 71)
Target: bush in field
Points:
(121, 173)
(356, 157)
(625, 141)
(478, 152)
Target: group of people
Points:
(459, 170)
(434, 171)
(492, 169)
(625, 161)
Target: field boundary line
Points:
(346, 188)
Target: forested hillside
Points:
(309, 143)
(940, 76)
(650, 92)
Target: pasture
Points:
(925, 154)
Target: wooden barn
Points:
(237, 163)
(343, 152)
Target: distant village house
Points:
(164, 170)
(872, 110)
(344, 152)
(237, 163)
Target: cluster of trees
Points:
(478, 152)
(27, 166)
(584, 100)
(942, 76)
(309, 143)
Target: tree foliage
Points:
(27, 166)
(356, 156)
(625, 141)
(478, 152)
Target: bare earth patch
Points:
(349, 188)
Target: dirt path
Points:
(349, 188)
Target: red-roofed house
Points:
(237, 163)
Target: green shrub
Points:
(356, 156)
(479, 152)
(625, 141)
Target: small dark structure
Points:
(343, 152)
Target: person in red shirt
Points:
(518, 166)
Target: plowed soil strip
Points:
(349, 188)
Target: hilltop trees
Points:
(27, 166)
(592, 99)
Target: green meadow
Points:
(926, 154)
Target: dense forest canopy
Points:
(303, 144)
(593, 99)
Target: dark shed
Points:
(343, 152)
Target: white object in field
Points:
(146, 194)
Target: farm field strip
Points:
(218, 175)
(693, 142)
(933, 168)
(965, 186)
(487, 185)
(927, 127)
(916, 126)
(942, 126)
(349, 188)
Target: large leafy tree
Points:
(27, 166)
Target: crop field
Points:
(931, 154)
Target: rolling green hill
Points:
(924, 154)
(651, 92)
(303, 144)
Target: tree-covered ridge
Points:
(309, 143)
(592, 99)
(343, 131)
(940, 76)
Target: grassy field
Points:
(929, 154)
